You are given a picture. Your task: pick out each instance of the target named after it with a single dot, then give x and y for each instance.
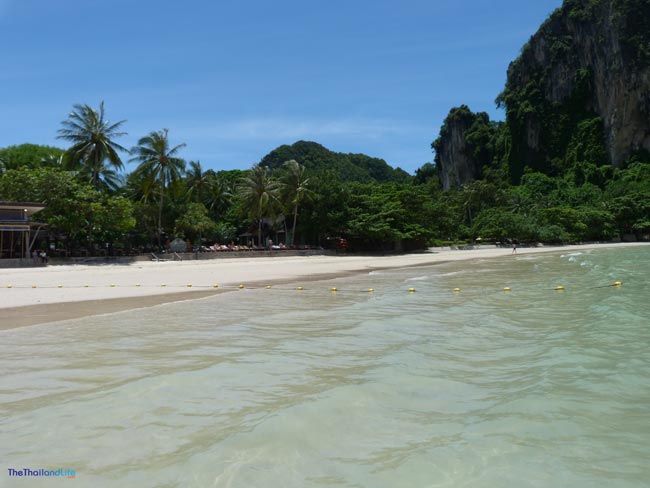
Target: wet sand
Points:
(54, 312)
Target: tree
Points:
(259, 191)
(74, 210)
(158, 163)
(424, 173)
(206, 187)
(93, 150)
(197, 181)
(218, 194)
(296, 187)
(194, 222)
(389, 216)
(31, 156)
(327, 213)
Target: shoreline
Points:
(27, 315)
(78, 291)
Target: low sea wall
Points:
(18, 263)
(191, 256)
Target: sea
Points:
(456, 383)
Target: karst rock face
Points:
(454, 161)
(590, 58)
(462, 147)
(579, 91)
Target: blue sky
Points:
(235, 79)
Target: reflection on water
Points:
(276, 387)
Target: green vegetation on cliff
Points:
(571, 160)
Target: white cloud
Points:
(272, 129)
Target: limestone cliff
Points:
(463, 146)
(578, 93)
(590, 59)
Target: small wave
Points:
(418, 278)
(452, 273)
(466, 271)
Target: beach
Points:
(31, 296)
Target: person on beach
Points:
(514, 247)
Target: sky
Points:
(236, 79)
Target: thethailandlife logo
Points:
(43, 473)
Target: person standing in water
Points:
(514, 247)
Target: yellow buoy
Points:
(411, 290)
(189, 285)
(370, 290)
(33, 286)
(300, 288)
(559, 288)
(457, 289)
(241, 286)
(333, 288)
(163, 285)
(617, 283)
(86, 285)
(268, 287)
(59, 286)
(137, 284)
(507, 288)
(215, 285)
(9, 286)
(112, 285)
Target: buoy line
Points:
(332, 290)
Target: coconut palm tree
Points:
(158, 163)
(218, 193)
(296, 188)
(206, 187)
(196, 181)
(259, 191)
(93, 150)
(53, 161)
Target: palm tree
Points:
(296, 187)
(53, 160)
(158, 163)
(197, 181)
(258, 191)
(93, 149)
(206, 187)
(218, 193)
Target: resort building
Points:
(18, 232)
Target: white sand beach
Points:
(81, 290)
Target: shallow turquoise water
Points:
(267, 388)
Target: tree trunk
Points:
(293, 230)
(160, 209)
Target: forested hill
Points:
(349, 167)
(579, 93)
